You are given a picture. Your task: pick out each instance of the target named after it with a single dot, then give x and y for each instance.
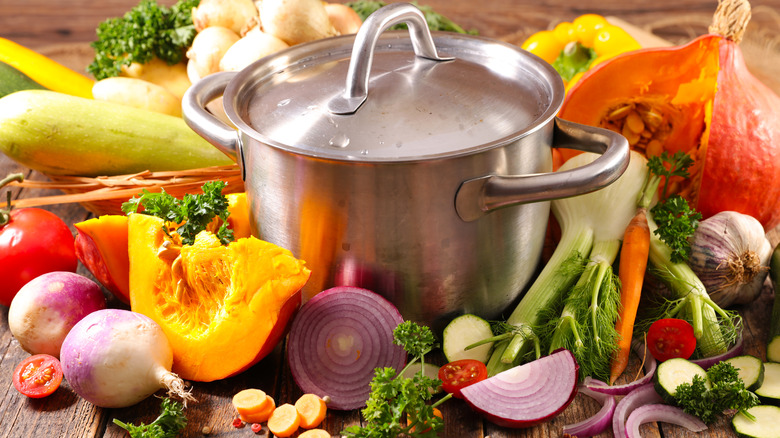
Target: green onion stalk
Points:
(591, 228)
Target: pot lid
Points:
(394, 96)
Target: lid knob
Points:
(356, 90)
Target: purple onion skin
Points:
(46, 308)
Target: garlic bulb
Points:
(730, 254)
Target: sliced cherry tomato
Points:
(669, 338)
(459, 374)
(38, 376)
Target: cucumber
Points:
(59, 134)
(464, 331)
(769, 391)
(674, 372)
(765, 425)
(773, 342)
(12, 80)
(750, 369)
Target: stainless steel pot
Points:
(384, 165)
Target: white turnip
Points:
(46, 308)
(115, 358)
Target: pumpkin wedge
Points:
(101, 245)
(223, 307)
(701, 99)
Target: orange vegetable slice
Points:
(284, 421)
(312, 410)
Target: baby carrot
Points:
(312, 410)
(284, 421)
(633, 262)
(315, 433)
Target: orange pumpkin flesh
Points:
(101, 245)
(701, 99)
(222, 307)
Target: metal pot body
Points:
(438, 199)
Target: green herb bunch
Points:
(170, 422)
(435, 20)
(147, 31)
(726, 392)
(394, 396)
(193, 212)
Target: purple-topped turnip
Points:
(48, 306)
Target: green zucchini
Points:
(674, 372)
(765, 424)
(12, 80)
(769, 391)
(773, 342)
(750, 369)
(60, 134)
(462, 332)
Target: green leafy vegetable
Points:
(394, 396)
(435, 21)
(726, 391)
(193, 212)
(167, 425)
(148, 30)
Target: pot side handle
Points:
(206, 124)
(479, 196)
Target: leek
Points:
(594, 220)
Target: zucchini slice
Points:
(750, 369)
(674, 372)
(464, 331)
(773, 349)
(769, 392)
(767, 418)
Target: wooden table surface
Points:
(64, 28)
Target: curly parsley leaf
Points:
(726, 392)
(147, 31)
(170, 422)
(668, 166)
(193, 212)
(676, 224)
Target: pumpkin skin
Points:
(101, 245)
(714, 110)
(224, 307)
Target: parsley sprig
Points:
(726, 392)
(167, 425)
(193, 212)
(148, 30)
(394, 396)
(676, 220)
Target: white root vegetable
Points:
(344, 19)
(296, 21)
(208, 47)
(253, 46)
(116, 358)
(232, 14)
(46, 308)
(171, 77)
(137, 93)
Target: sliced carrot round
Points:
(262, 415)
(250, 401)
(284, 421)
(315, 433)
(312, 410)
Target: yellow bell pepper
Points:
(45, 71)
(576, 46)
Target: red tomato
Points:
(38, 376)
(669, 338)
(33, 242)
(457, 375)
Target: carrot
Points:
(633, 262)
(253, 405)
(315, 433)
(284, 421)
(312, 410)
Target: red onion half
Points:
(337, 340)
(528, 394)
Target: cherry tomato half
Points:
(38, 376)
(33, 242)
(459, 374)
(669, 338)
